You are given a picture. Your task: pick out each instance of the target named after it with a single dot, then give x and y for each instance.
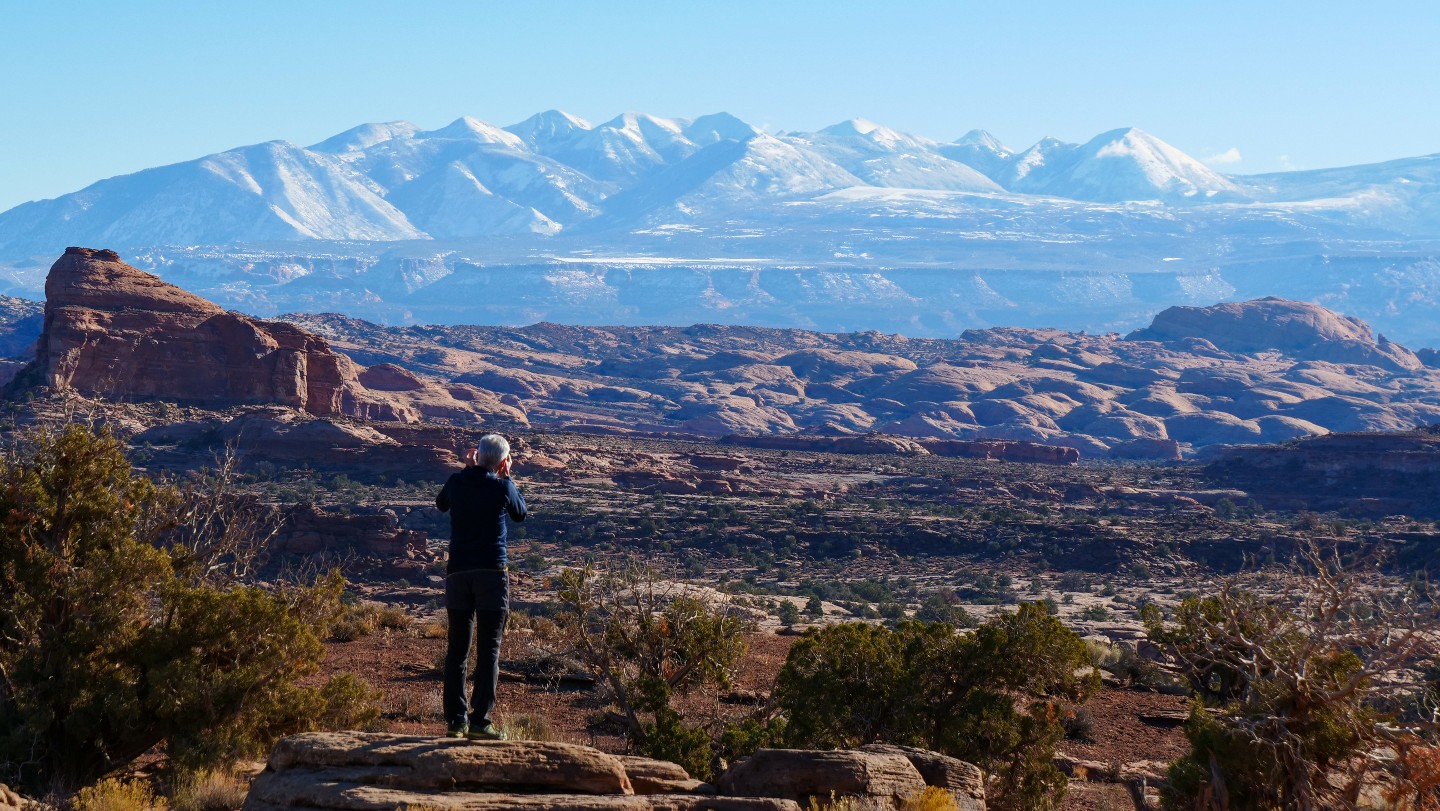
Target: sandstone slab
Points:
(650, 776)
(416, 762)
(360, 771)
(884, 778)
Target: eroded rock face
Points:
(116, 331)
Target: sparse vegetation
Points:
(647, 640)
(927, 685)
(115, 794)
(127, 624)
(1285, 667)
(208, 790)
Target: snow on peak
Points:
(985, 140)
(646, 126)
(1131, 164)
(1115, 166)
(473, 129)
(709, 129)
(357, 139)
(855, 126)
(549, 127)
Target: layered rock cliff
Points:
(115, 331)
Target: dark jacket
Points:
(478, 502)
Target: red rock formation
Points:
(116, 331)
(1003, 451)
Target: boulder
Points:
(964, 781)
(10, 801)
(885, 779)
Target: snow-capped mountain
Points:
(880, 156)
(271, 191)
(552, 171)
(644, 219)
(1123, 164)
(981, 151)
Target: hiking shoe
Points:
(489, 732)
(457, 732)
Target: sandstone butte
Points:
(114, 330)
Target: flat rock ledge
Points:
(368, 771)
(882, 776)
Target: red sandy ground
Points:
(404, 666)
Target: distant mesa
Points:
(1297, 328)
(118, 332)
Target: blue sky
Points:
(93, 89)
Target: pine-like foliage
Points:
(121, 629)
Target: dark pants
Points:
(483, 595)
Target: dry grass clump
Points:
(209, 790)
(393, 618)
(356, 621)
(931, 798)
(114, 794)
(530, 727)
(363, 619)
(415, 707)
(842, 803)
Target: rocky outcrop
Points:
(360, 771)
(885, 779)
(114, 331)
(1362, 474)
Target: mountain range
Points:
(644, 219)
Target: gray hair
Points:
(492, 451)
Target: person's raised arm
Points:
(514, 502)
(442, 501)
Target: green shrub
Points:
(787, 613)
(647, 640)
(123, 627)
(926, 685)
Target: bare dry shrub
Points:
(1297, 674)
(209, 790)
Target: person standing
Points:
(477, 588)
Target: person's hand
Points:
(471, 457)
(504, 470)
